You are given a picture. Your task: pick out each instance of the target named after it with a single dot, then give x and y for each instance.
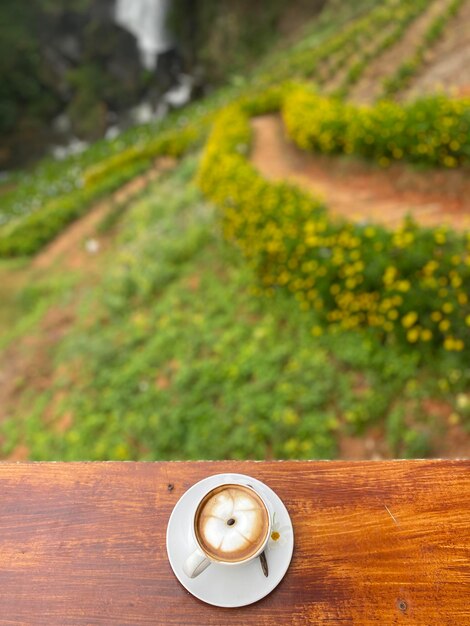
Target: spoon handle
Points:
(264, 563)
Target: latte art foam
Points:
(231, 523)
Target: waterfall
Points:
(146, 20)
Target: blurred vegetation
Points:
(67, 56)
(408, 68)
(23, 87)
(59, 179)
(230, 38)
(183, 349)
(27, 90)
(174, 357)
(61, 56)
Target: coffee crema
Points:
(231, 523)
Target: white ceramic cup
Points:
(199, 560)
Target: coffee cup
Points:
(231, 526)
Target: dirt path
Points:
(359, 191)
(447, 64)
(29, 362)
(68, 247)
(369, 87)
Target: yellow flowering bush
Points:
(327, 130)
(409, 285)
(433, 131)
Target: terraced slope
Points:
(34, 211)
(369, 87)
(171, 356)
(447, 64)
(288, 323)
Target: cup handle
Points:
(195, 564)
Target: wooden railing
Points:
(376, 543)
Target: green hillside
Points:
(197, 309)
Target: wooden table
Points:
(378, 543)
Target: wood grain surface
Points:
(376, 543)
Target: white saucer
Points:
(222, 585)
